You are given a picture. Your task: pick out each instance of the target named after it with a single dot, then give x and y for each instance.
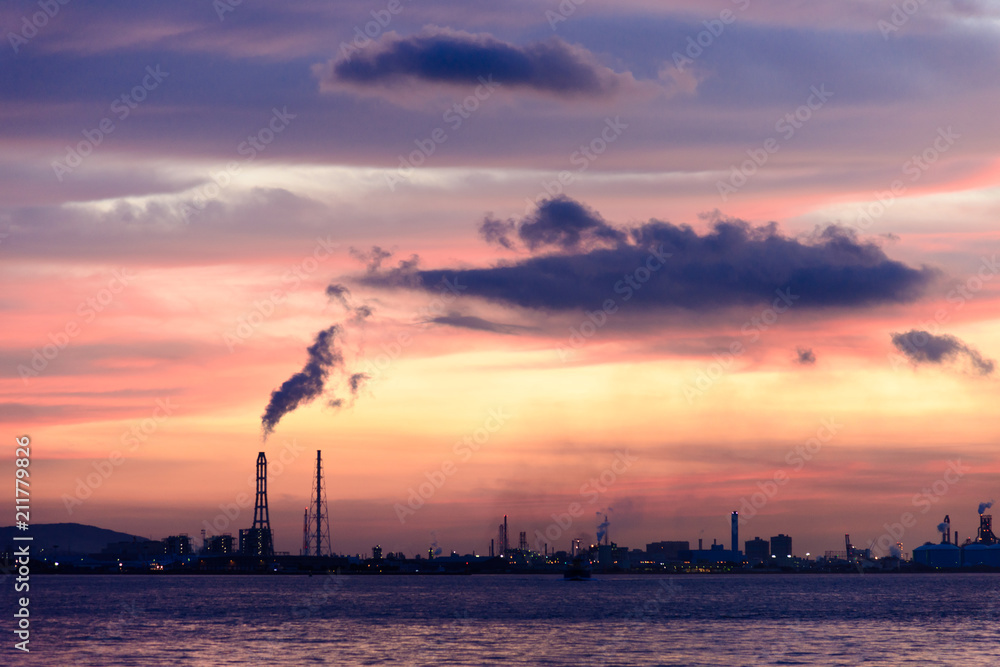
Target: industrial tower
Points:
(985, 535)
(317, 529)
(503, 546)
(258, 541)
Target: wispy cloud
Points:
(477, 324)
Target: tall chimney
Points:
(735, 518)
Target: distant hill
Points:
(66, 537)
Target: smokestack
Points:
(735, 518)
(945, 529)
(305, 532)
(699, 544)
(506, 542)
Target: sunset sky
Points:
(702, 233)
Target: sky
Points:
(557, 260)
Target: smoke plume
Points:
(985, 506)
(340, 293)
(943, 527)
(435, 549)
(308, 383)
(357, 381)
(602, 527)
(805, 356)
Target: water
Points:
(687, 621)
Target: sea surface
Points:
(687, 620)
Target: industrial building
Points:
(316, 527)
(781, 546)
(938, 555)
(983, 552)
(663, 552)
(258, 540)
(714, 555)
(757, 550)
(220, 545)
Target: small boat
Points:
(577, 571)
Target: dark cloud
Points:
(476, 324)
(559, 222)
(307, 384)
(440, 56)
(662, 265)
(805, 356)
(922, 347)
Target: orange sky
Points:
(142, 340)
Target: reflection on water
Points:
(519, 620)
